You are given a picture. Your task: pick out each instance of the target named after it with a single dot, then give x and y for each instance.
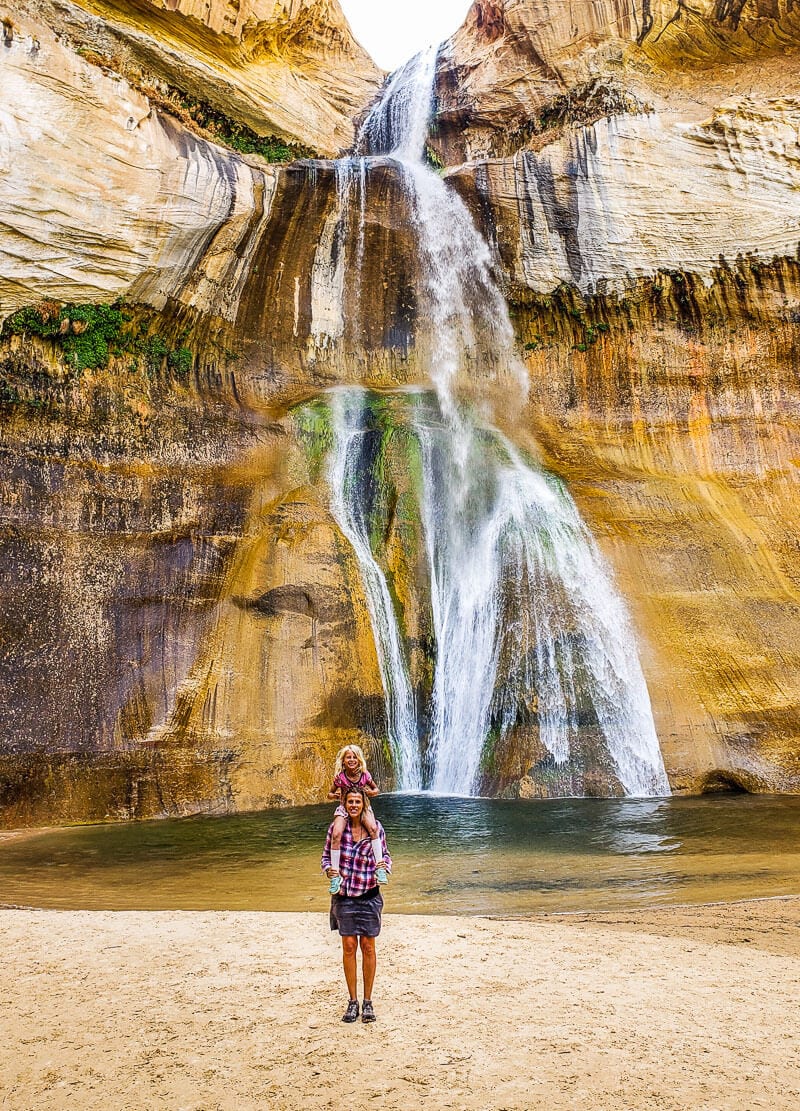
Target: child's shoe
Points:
(380, 874)
(335, 886)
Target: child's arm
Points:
(335, 793)
(371, 788)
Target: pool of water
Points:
(451, 856)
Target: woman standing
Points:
(356, 910)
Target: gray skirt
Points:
(358, 916)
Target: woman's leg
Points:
(368, 962)
(349, 950)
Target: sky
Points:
(393, 30)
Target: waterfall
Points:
(466, 326)
(344, 477)
(529, 629)
(523, 602)
(397, 124)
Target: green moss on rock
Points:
(88, 336)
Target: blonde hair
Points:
(339, 765)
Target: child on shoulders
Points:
(350, 770)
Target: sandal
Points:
(351, 1014)
(335, 885)
(367, 1011)
(380, 874)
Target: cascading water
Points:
(527, 625)
(397, 124)
(345, 478)
(466, 321)
(524, 607)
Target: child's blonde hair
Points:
(362, 760)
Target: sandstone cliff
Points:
(104, 197)
(183, 622)
(280, 68)
(519, 70)
(153, 518)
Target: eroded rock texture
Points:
(104, 197)
(519, 70)
(183, 624)
(286, 69)
(628, 195)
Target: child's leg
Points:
(336, 852)
(370, 824)
(336, 842)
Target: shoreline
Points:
(588, 913)
(677, 1007)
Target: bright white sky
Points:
(393, 30)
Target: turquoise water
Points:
(451, 856)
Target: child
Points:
(350, 770)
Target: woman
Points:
(356, 911)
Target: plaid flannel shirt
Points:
(357, 863)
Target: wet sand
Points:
(676, 1008)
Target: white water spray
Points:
(526, 619)
(528, 623)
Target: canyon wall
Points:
(183, 625)
(520, 71)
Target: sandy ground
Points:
(672, 1008)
